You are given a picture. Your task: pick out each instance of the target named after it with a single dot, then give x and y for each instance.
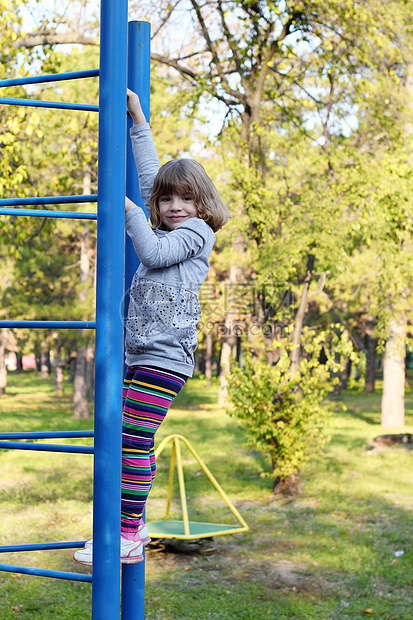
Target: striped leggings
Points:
(147, 395)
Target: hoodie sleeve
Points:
(186, 241)
(146, 159)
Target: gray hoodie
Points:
(164, 308)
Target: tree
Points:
(284, 413)
(290, 76)
(384, 222)
(52, 163)
(3, 368)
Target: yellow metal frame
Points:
(177, 458)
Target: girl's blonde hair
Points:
(186, 176)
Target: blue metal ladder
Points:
(120, 43)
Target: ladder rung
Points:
(49, 104)
(70, 215)
(45, 447)
(42, 546)
(47, 200)
(56, 77)
(42, 572)
(50, 324)
(47, 435)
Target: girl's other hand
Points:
(129, 204)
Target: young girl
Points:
(185, 211)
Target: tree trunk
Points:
(80, 388)
(238, 349)
(58, 370)
(19, 362)
(44, 361)
(299, 317)
(208, 358)
(72, 367)
(394, 370)
(336, 375)
(82, 373)
(197, 364)
(371, 357)
(4, 336)
(229, 340)
(371, 365)
(227, 351)
(218, 369)
(37, 365)
(345, 375)
(90, 371)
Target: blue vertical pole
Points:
(139, 35)
(139, 63)
(109, 319)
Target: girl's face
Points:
(175, 209)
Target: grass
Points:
(328, 553)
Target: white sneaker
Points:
(142, 532)
(83, 556)
(130, 552)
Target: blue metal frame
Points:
(54, 77)
(44, 572)
(47, 435)
(45, 447)
(139, 41)
(71, 215)
(47, 200)
(42, 546)
(34, 103)
(50, 324)
(109, 320)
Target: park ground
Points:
(340, 549)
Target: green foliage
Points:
(13, 171)
(284, 415)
